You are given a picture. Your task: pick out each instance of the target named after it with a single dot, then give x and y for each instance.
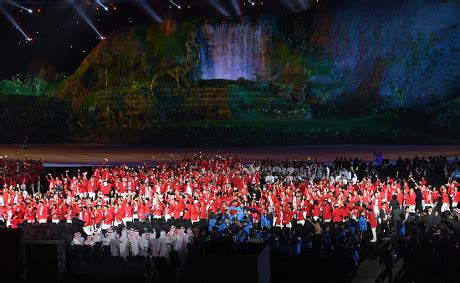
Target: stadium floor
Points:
(55, 155)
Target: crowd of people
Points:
(297, 206)
(20, 174)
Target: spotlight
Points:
(30, 11)
(252, 3)
(102, 37)
(219, 7)
(15, 24)
(175, 4)
(149, 10)
(86, 18)
(102, 5)
(236, 7)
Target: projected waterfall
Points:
(233, 50)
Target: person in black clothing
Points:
(395, 211)
(387, 259)
(383, 220)
(429, 219)
(394, 202)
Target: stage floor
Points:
(77, 154)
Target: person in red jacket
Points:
(119, 213)
(372, 224)
(337, 214)
(327, 212)
(194, 211)
(444, 200)
(456, 198)
(157, 210)
(316, 210)
(411, 201)
(108, 218)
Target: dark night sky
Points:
(61, 38)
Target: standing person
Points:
(444, 200)
(153, 244)
(412, 200)
(144, 243)
(124, 241)
(134, 243)
(164, 243)
(429, 219)
(387, 259)
(362, 223)
(266, 220)
(114, 243)
(383, 220)
(373, 225)
(395, 213)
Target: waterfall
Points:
(233, 50)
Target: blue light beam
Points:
(236, 7)
(86, 18)
(219, 7)
(30, 11)
(15, 24)
(150, 11)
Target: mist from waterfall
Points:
(233, 50)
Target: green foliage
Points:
(25, 85)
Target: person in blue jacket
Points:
(266, 219)
(247, 226)
(211, 221)
(362, 223)
(238, 209)
(225, 225)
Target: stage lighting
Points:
(236, 7)
(149, 10)
(102, 5)
(14, 23)
(30, 11)
(252, 3)
(219, 7)
(85, 17)
(175, 4)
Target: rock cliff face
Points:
(129, 59)
(408, 51)
(405, 51)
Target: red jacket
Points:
(372, 220)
